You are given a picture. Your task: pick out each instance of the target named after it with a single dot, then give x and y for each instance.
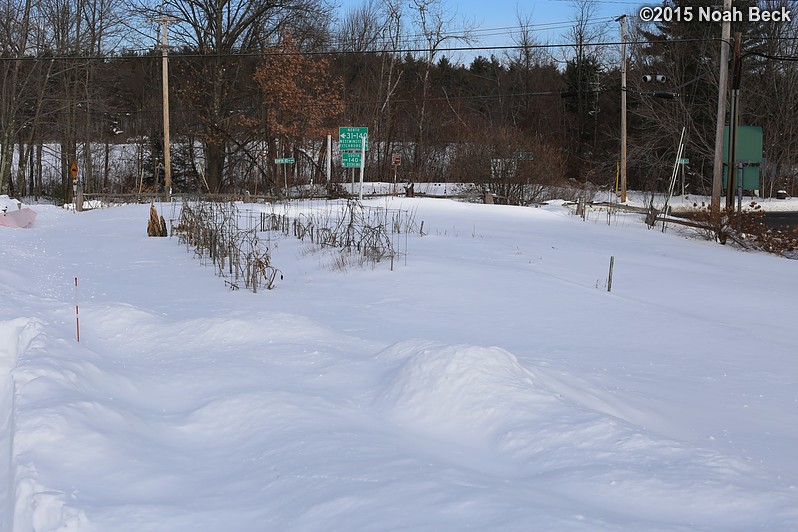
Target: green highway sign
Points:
(684, 160)
(350, 138)
(351, 160)
(285, 160)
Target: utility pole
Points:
(167, 155)
(622, 20)
(723, 80)
(734, 119)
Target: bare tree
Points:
(217, 30)
(434, 23)
(583, 72)
(770, 97)
(300, 99)
(361, 28)
(15, 27)
(518, 168)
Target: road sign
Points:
(396, 159)
(684, 160)
(73, 170)
(351, 159)
(350, 138)
(285, 160)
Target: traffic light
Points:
(659, 78)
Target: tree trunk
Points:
(6, 154)
(106, 166)
(21, 160)
(38, 187)
(214, 166)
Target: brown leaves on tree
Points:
(300, 96)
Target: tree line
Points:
(252, 81)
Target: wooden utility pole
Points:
(723, 80)
(167, 154)
(734, 120)
(622, 20)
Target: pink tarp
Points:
(14, 214)
(23, 217)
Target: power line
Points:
(150, 53)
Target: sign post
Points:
(396, 160)
(77, 187)
(362, 164)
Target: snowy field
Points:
(489, 382)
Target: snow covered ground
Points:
(491, 382)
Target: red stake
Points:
(77, 318)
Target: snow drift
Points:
(490, 383)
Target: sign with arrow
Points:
(351, 138)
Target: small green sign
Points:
(351, 159)
(684, 160)
(285, 160)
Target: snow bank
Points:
(27, 506)
(478, 407)
(368, 401)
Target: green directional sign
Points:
(350, 138)
(351, 159)
(285, 160)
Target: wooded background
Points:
(255, 80)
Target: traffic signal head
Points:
(659, 78)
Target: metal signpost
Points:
(362, 165)
(396, 160)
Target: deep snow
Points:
(490, 383)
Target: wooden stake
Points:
(609, 280)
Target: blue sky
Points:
(550, 18)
